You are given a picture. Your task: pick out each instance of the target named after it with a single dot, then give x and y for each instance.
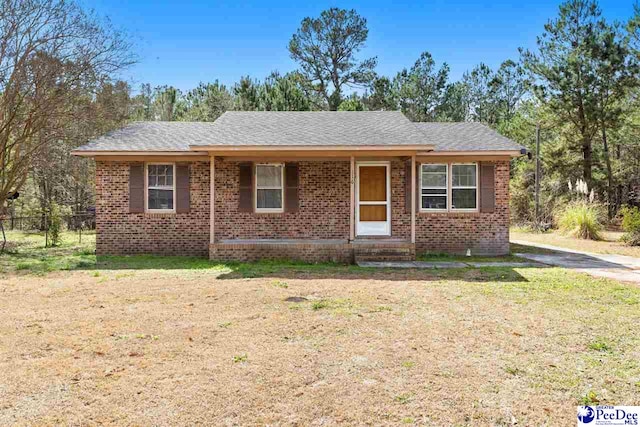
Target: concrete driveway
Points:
(618, 267)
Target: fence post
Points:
(4, 236)
(46, 231)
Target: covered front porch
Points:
(313, 205)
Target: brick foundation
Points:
(307, 252)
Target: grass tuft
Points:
(591, 398)
(582, 220)
(403, 399)
(280, 284)
(240, 358)
(516, 372)
(601, 345)
(319, 305)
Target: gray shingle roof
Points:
(318, 128)
(240, 128)
(262, 128)
(465, 136)
(151, 136)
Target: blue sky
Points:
(181, 43)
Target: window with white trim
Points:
(464, 186)
(269, 187)
(160, 187)
(433, 186)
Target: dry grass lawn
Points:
(611, 243)
(211, 346)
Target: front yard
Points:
(149, 340)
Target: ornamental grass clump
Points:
(582, 220)
(583, 217)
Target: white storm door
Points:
(373, 204)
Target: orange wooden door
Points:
(373, 188)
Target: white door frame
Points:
(373, 228)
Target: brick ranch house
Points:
(312, 186)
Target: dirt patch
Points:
(185, 347)
(295, 299)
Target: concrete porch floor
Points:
(314, 250)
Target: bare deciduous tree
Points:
(50, 51)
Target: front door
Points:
(373, 210)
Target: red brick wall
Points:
(120, 232)
(400, 220)
(323, 213)
(483, 233)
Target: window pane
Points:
(153, 175)
(269, 176)
(434, 202)
(434, 168)
(169, 175)
(464, 175)
(160, 199)
(160, 176)
(463, 198)
(269, 199)
(434, 191)
(434, 175)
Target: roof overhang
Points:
(87, 153)
(510, 153)
(302, 151)
(310, 148)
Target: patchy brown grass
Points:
(610, 244)
(464, 347)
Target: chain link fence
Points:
(78, 223)
(74, 222)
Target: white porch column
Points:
(352, 186)
(212, 198)
(413, 198)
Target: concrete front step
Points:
(384, 259)
(384, 251)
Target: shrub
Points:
(55, 224)
(631, 225)
(582, 220)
